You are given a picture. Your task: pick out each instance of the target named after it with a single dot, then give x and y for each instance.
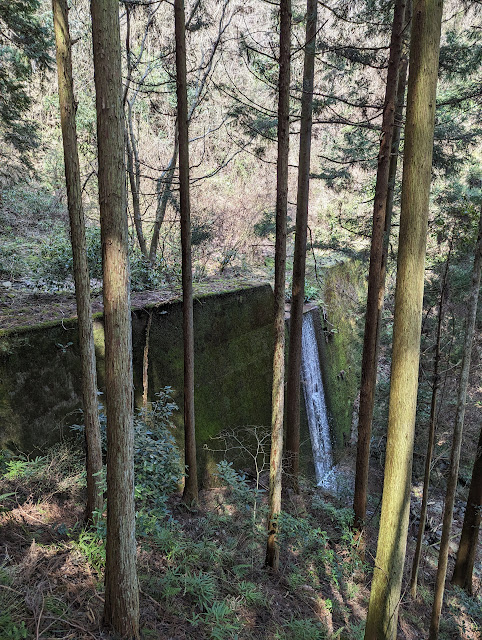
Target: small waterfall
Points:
(315, 402)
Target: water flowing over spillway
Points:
(315, 402)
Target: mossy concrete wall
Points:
(340, 344)
(39, 385)
(40, 369)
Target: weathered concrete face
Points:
(340, 343)
(39, 385)
(40, 369)
(233, 361)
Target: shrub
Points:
(12, 262)
(143, 274)
(201, 232)
(267, 225)
(157, 461)
(56, 261)
(157, 464)
(31, 202)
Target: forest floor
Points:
(201, 571)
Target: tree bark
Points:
(133, 171)
(375, 283)
(299, 258)
(272, 550)
(457, 440)
(79, 253)
(464, 565)
(190, 495)
(133, 164)
(386, 586)
(121, 610)
(431, 432)
(163, 190)
(392, 172)
(145, 363)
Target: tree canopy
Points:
(25, 45)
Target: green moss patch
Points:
(343, 290)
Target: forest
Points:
(294, 175)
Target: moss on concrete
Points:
(233, 360)
(40, 370)
(39, 385)
(343, 290)
(67, 324)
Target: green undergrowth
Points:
(201, 570)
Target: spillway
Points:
(315, 403)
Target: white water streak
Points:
(315, 401)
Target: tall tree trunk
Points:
(191, 487)
(79, 253)
(464, 565)
(424, 52)
(431, 431)
(134, 172)
(375, 284)
(121, 610)
(299, 259)
(457, 439)
(272, 550)
(133, 164)
(163, 190)
(392, 172)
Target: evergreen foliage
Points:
(25, 44)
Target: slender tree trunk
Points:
(145, 363)
(457, 440)
(431, 433)
(133, 164)
(386, 586)
(163, 189)
(464, 565)
(392, 173)
(79, 252)
(272, 550)
(375, 284)
(133, 172)
(191, 487)
(121, 610)
(299, 260)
